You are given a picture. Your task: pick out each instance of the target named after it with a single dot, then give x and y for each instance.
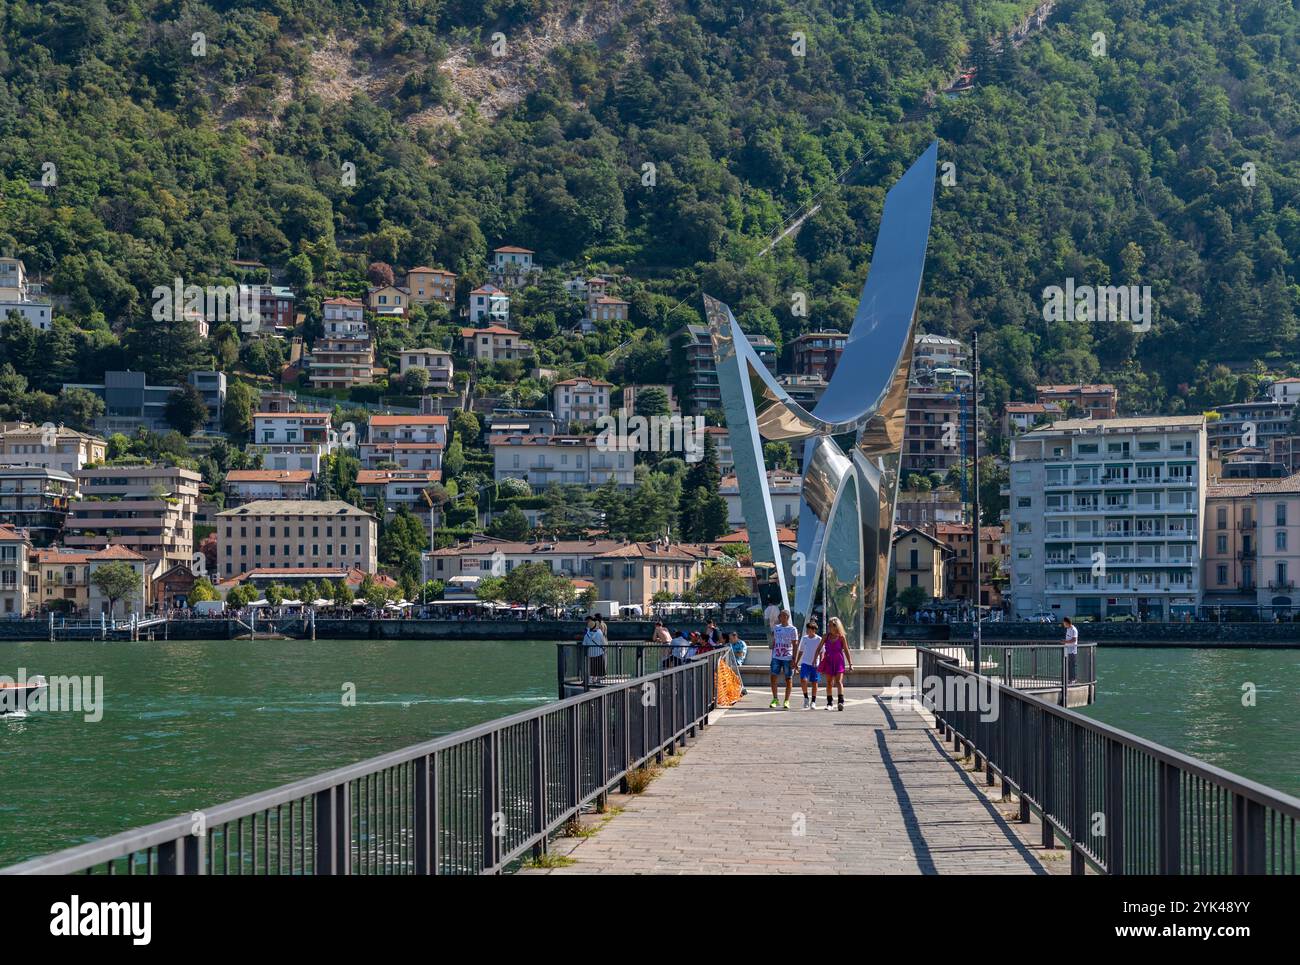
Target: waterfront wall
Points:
(1143, 634)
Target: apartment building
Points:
(959, 574)
(433, 361)
(130, 403)
(35, 499)
(247, 485)
(633, 573)
(489, 305)
(483, 556)
(1106, 517)
(495, 343)
(137, 601)
(19, 294)
(1229, 544)
(581, 400)
(410, 441)
(925, 510)
(275, 308)
(513, 266)
(14, 550)
(1249, 425)
(1091, 401)
(427, 285)
(630, 393)
(147, 509)
(344, 355)
(62, 580)
(291, 440)
(294, 534)
(212, 387)
(542, 460)
(1278, 514)
(938, 352)
(28, 444)
(919, 559)
(935, 427)
(388, 300)
(392, 488)
(783, 487)
(1023, 416)
(817, 353)
(1285, 390)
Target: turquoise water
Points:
(191, 724)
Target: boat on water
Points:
(15, 696)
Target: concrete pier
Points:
(870, 790)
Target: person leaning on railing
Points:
(1071, 648)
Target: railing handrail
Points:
(80, 857)
(1260, 793)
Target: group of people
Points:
(818, 658)
(688, 644)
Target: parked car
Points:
(1043, 616)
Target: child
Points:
(834, 658)
(783, 638)
(808, 648)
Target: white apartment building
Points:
(783, 487)
(1105, 517)
(16, 295)
(1277, 507)
(410, 441)
(581, 400)
(432, 360)
(542, 460)
(291, 440)
(28, 444)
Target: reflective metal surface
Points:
(846, 510)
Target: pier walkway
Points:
(872, 789)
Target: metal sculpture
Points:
(852, 439)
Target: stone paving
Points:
(871, 789)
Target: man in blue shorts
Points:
(783, 639)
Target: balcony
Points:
(1246, 554)
(1275, 585)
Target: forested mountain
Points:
(185, 134)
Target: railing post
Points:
(1114, 808)
(184, 856)
(332, 821)
(1023, 713)
(1248, 845)
(603, 756)
(1169, 819)
(626, 742)
(640, 660)
(424, 808)
(559, 669)
(1046, 799)
(1079, 823)
(490, 795)
(541, 809)
(575, 777)
(1065, 678)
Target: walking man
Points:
(783, 639)
(1071, 647)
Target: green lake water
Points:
(191, 724)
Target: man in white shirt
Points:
(770, 615)
(1071, 646)
(783, 640)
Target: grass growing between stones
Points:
(550, 860)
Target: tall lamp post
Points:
(975, 489)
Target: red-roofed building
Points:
(580, 400)
(14, 550)
(410, 441)
(137, 600)
(397, 487)
(512, 265)
(62, 579)
(241, 485)
(489, 305)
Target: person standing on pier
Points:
(783, 640)
(1071, 647)
(594, 641)
(809, 647)
(835, 659)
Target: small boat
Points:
(15, 696)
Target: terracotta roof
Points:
(351, 302)
(654, 551)
(9, 533)
(489, 330)
(269, 475)
(408, 420)
(784, 534)
(580, 381)
(436, 271)
(561, 547)
(61, 556)
(512, 248)
(116, 552)
(540, 439)
(610, 300)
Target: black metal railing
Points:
(577, 668)
(1037, 668)
(1124, 805)
(475, 801)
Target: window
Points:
(1281, 514)
(1221, 544)
(1223, 574)
(1223, 517)
(1280, 539)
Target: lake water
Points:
(191, 724)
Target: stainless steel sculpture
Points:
(852, 440)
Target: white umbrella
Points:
(262, 602)
(322, 602)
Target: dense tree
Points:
(186, 412)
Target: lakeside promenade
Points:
(872, 789)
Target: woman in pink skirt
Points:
(834, 659)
